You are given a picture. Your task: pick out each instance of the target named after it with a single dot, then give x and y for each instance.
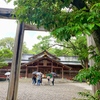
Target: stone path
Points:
(62, 90)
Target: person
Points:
(48, 78)
(38, 79)
(34, 79)
(8, 78)
(41, 79)
(52, 80)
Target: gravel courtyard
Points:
(62, 90)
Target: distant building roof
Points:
(71, 60)
(44, 53)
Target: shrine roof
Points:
(45, 57)
(44, 53)
(71, 60)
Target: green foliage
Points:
(53, 15)
(8, 1)
(91, 75)
(75, 47)
(42, 45)
(9, 44)
(81, 47)
(25, 49)
(4, 53)
(59, 17)
(88, 96)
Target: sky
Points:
(8, 28)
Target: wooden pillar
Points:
(16, 63)
(52, 67)
(90, 41)
(37, 68)
(62, 73)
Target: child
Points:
(48, 78)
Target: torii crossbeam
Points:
(7, 14)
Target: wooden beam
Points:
(90, 41)
(16, 63)
(58, 67)
(32, 66)
(33, 27)
(6, 13)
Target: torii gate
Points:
(16, 61)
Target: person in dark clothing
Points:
(41, 79)
(48, 78)
(34, 79)
(53, 80)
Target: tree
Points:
(4, 53)
(9, 44)
(44, 44)
(25, 49)
(63, 18)
(81, 50)
(75, 47)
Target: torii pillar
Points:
(90, 41)
(16, 62)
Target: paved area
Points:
(62, 90)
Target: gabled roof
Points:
(44, 53)
(45, 57)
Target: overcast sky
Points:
(8, 28)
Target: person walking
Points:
(34, 79)
(8, 78)
(48, 78)
(41, 79)
(38, 79)
(52, 80)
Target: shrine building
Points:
(44, 62)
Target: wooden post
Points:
(90, 41)
(52, 67)
(37, 68)
(16, 63)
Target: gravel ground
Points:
(62, 90)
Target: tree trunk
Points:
(96, 37)
(86, 63)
